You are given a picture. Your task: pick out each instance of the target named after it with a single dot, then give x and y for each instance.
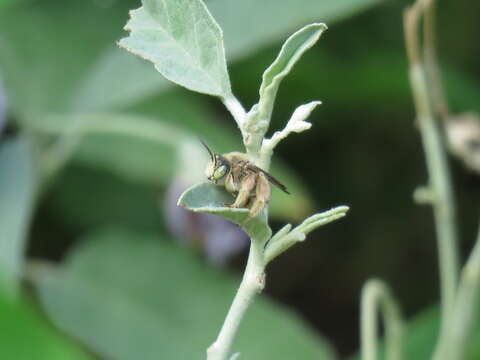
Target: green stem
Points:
(453, 340)
(376, 295)
(238, 112)
(440, 185)
(252, 284)
(437, 95)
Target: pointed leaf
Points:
(183, 41)
(285, 237)
(292, 50)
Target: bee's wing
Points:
(270, 178)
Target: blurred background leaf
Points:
(124, 293)
(24, 335)
(288, 17)
(17, 187)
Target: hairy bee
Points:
(249, 183)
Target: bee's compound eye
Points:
(219, 172)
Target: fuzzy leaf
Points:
(286, 238)
(292, 50)
(301, 113)
(183, 41)
(209, 198)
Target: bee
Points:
(248, 183)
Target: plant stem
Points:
(237, 111)
(439, 175)
(453, 340)
(437, 96)
(376, 294)
(252, 283)
(443, 202)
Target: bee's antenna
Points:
(208, 149)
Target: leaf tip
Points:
(341, 211)
(181, 201)
(320, 25)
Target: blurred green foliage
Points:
(25, 335)
(17, 182)
(121, 294)
(67, 85)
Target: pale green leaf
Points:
(128, 296)
(42, 70)
(291, 51)
(25, 335)
(134, 125)
(107, 85)
(17, 186)
(212, 199)
(183, 41)
(134, 146)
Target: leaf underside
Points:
(209, 198)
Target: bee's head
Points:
(217, 168)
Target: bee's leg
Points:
(246, 187)
(262, 196)
(230, 186)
